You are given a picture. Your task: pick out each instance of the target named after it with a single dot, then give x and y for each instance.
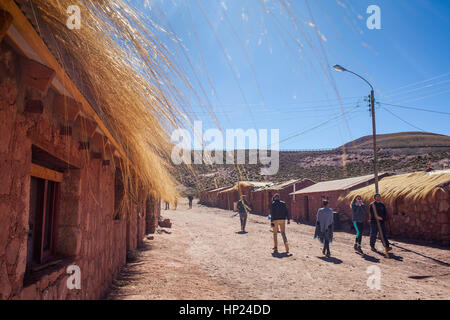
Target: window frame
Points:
(42, 255)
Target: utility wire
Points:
(316, 126)
(400, 118)
(414, 108)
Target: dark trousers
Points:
(374, 233)
(326, 245)
(243, 220)
(360, 226)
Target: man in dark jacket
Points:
(243, 209)
(279, 213)
(382, 214)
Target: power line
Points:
(400, 118)
(415, 108)
(316, 126)
(416, 83)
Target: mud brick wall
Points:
(427, 219)
(305, 206)
(262, 199)
(153, 214)
(86, 233)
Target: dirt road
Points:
(205, 257)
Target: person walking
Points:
(190, 198)
(279, 213)
(358, 212)
(381, 212)
(166, 205)
(243, 209)
(324, 227)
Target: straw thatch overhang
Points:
(134, 131)
(29, 42)
(413, 186)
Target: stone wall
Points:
(305, 206)
(86, 234)
(427, 219)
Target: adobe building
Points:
(227, 199)
(209, 197)
(262, 197)
(418, 205)
(64, 196)
(307, 201)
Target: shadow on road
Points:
(331, 259)
(279, 255)
(366, 257)
(443, 263)
(242, 232)
(391, 256)
(426, 277)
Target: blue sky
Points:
(268, 65)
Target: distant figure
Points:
(175, 204)
(382, 214)
(324, 227)
(190, 198)
(243, 209)
(429, 167)
(166, 205)
(278, 215)
(358, 210)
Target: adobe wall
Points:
(298, 211)
(86, 233)
(427, 220)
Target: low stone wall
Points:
(86, 232)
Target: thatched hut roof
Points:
(412, 186)
(120, 72)
(245, 184)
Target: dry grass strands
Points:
(129, 79)
(414, 186)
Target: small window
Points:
(44, 186)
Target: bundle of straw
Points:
(128, 78)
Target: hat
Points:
(276, 195)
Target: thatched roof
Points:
(335, 185)
(124, 73)
(243, 184)
(413, 186)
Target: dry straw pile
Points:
(127, 77)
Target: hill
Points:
(401, 140)
(397, 153)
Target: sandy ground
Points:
(205, 257)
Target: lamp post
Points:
(374, 134)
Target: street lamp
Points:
(374, 134)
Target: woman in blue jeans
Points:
(358, 212)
